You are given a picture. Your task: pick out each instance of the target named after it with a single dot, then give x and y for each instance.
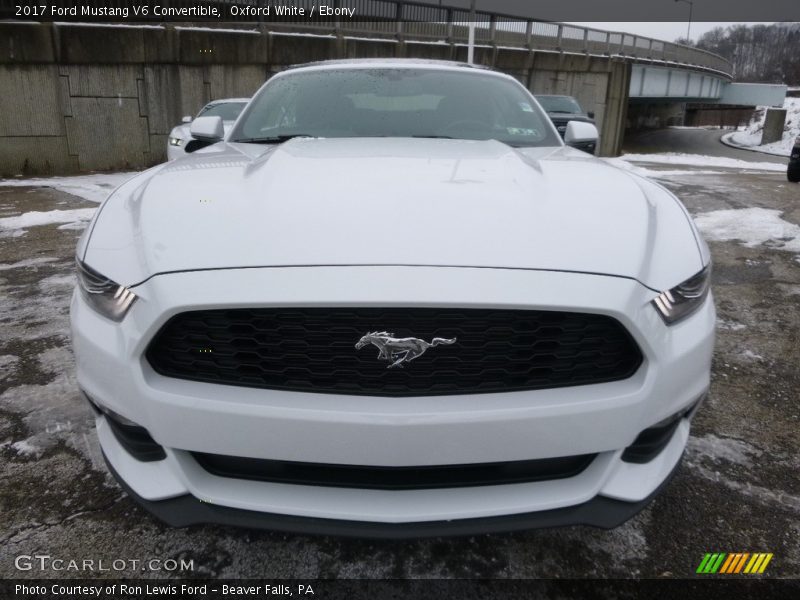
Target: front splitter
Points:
(184, 511)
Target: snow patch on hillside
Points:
(750, 135)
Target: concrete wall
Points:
(81, 98)
(599, 84)
(773, 125)
(705, 115)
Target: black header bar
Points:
(708, 588)
(459, 11)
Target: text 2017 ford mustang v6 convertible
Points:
(392, 303)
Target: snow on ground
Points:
(730, 325)
(750, 136)
(629, 166)
(750, 355)
(699, 160)
(715, 448)
(34, 218)
(8, 363)
(26, 448)
(751, 226)
(48, 284)
(94, 188)
(29, 263)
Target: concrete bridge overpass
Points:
(667, 95)
(84, 97)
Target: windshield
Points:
(560, 104)
(229, 111)
(395, 102)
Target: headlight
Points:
(173, 141)
(685, 298)
(107, 297)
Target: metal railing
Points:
(415, 21)
(407, 20)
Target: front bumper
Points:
(186, 510)
(185, 416)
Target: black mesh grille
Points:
(313, 350)
(394, 478)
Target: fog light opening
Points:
(136, 440)
(650, 442)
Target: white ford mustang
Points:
(392, 303)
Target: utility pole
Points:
(471, 42)
(689, 28)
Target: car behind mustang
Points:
(180, 142)
(391, 302)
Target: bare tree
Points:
(759, 53)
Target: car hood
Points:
(393, 201)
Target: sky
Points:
(663, 31)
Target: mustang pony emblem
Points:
(399, 350)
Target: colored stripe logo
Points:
(734, 562)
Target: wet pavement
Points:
(703, 141)
(737, 490)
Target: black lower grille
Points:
(393, 478)
(313, 350)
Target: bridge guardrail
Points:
(410, 20)
(406, 19)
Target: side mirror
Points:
(186, 119)
(207, 129)
(590, 114)
(578, 132)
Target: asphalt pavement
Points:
(691, 141)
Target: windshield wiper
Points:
(276, 139)
(434, 137)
